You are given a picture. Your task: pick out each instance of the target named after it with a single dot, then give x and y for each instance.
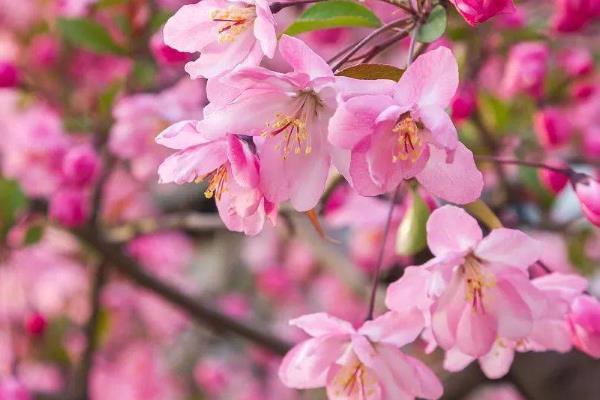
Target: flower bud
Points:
(36, 324)
(69, 207)
(551, 127)
(463, 103)
(9, 75)
(552, 180)
(526, 69)
(81, 165)
(478, 11)
(588, 193)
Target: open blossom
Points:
(289, 112)
(227, 33)
(478, 11)
(364, 364)
(400, 131)
(228, 166)
(550, 329)
(475, 289)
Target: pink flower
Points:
(475, 289)
(365, 364)
(588, 193)
(526, 69)
(35, 324)
(577, 62)
(69, 207)
(584, 321)
(81, 165)
(392, 132)
(229, 166)
(9, 75)
(290, 112)
(552, 180)
(552, 127)
(590, 142)
(572, 15)
(12, 389)
(478, 11)
(227, 33)
(463, 103)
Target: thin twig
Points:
(386, 233)
(565, 170)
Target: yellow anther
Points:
(216, 182)
(233, 21)
(410, 144)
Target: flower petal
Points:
(394, 328)
(187, 165)
(319, 324)
(302, 58)
(509, 247)
(451, 230)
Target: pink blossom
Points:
(9, 75)
(588, 193)
(227, 33)
(69, 207)
(553, 181)
(140, 117)
(552, 127)
(392, 132)
(166, 253)
(35, 324)
(591, 142)
(475, 289)
(584, 321)
(577, 62)
(365, 364)
(503, 391)
(478, 11)
(81, 165)
(229, 166)
(290, 112)
(573, 15)
(12, 389)
(463, 103)
(124, 199)
(526, 69)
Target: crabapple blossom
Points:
(394, 131)
(289, 120)
(227, 33)
(588, 193)
(475, 289)
(229, 166)
(478, 11)
(552, 127)
(584, 321)
(525, 69)
(553, 180)
(359, 364)
(9, 75)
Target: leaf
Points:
(333, 14)
(12, 200)
(482, 212)
(107, 98)
(434, 27)
(33, 235)
(372, 72)
(412, 233)
(494, 113)
(89, 35)
(314, 220)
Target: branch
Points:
(198, 310)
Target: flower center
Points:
(410, 144)
(216, 182)
(292, 128)
(232, 21)
(353, 381)
(477, 281)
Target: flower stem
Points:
(386, 234)
(561, 170)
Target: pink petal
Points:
(438, 122)
(302, 58)
(447, 312)
(431, 80)
(360, 175)
(394, 328)
(410, 291)
(455, 360)
(509, 247)
(181, 135)
(451, 230)
(264, 28)
(515, 319)
(244, 164)
(458, 181)
(476, 332)
(190, 29)
(187, 165)
(497, 362)
(322, 324)
(306, 366)
(430, 386)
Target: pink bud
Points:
(274, 282)
(588, 193)
(577, 62)
(584, 322)
(44, 50)
(463, 103)
(36, 324)
(552, 180)
(526, 69)
(69, 207)
(591, 142)
(551, 127)
(478, 11)
(572, 15)
(583, 90)
(81, 165)
(9, 75)
(164, 54)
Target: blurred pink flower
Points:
(552, 127)
(478, 11)
(9, 75)
(588, 193)
(526, 69)
(81, 165)
(69, 207)
(584, 321)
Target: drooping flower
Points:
(228, 166)
(478, 11)
(475, 289)
(227, 33)
(359, 364)
(289, 112)
(399, 131)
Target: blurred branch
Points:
(198, 310)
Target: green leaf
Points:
(494, 113)
(333, 14)
(412, 233)
(33, 235)
(12, 200)
(372, 72)
(107, 98)
(89, 35)
(434, 27)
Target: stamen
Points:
(233, 21)
(216, 182)
(477, 281)
(410, 144)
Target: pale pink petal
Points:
(452, 230)
(497, 362)
(438, 122)
(394, 328)
(302, 58)
(322, 324)
(190, 29)
(361, 179)
(264, 28)
(509, 247)
(431, 80)
(430, 386)
(244, 164)
(514, 316)
(447, 312)
(181, 135)
(343, 383)
(476, 332)
(455, 360)
(306, 366)
(458, 181)
(185, 166)
(410, 291)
